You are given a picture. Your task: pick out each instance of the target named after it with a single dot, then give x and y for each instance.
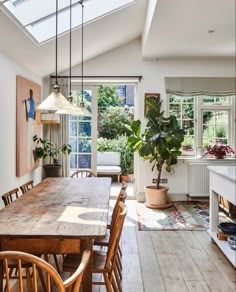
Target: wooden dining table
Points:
(58, 216)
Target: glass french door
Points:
(83, 130)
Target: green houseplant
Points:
(160, 144)
(47, 149)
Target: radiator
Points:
(198, 180)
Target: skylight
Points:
(37, 17)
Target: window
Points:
(206, 119)
(183, 109)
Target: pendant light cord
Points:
(82, 52)
(70, 45)
(56, 35)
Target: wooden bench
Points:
(108, 163)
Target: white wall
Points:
(8, 71)
(126, 61)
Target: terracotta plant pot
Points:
(156, 198)
(124, 178)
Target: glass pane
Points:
(216, 100)
(186, 99)
(208, 99)
(73, 161)
(188, 143)
(73, 143)
(187, 111)
(209, 131)
(38, 17)
(215, 127)
(85, 145)
(208, 118)
(221, 118)
(222, 100)
(85, 161)
(221, 132)
(175, 99)
(85, 129)
(74, 129)
(175, 110)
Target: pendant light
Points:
(75, 111)
(82, 105)
(55, 100)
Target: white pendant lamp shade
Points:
(55, 101)
(50, 118)
(75, 111)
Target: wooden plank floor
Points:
(169, 261)
(175, 261)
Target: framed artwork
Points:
(155, 96)
(28, 97)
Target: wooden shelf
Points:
(224, 246)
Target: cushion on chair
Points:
(108, 169)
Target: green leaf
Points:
(136, 127)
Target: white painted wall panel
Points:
(8, 71)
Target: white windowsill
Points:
(189, 157)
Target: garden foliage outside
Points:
(112, 121)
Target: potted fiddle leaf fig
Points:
(47, 149)
(160, 144)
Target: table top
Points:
(59, 207)
(226, 171)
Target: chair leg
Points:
(119, 266)
(42, 279)
(56, 262)
(108, 283)
(117, 277)
(28, 279)
(113, 283)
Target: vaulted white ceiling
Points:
(168, 29)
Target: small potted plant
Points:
(219, 151)
(126, 163)
(47, 149)
(160, 143)
(187, 144)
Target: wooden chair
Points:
(121, 198)
(104, 262)
(105, 241)
(83, 173)
(27, 186)
(10, 196)
(41, 267)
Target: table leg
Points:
(1, 275)
(87, 278)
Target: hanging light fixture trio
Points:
(55, 101)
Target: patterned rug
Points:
(180, 216)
